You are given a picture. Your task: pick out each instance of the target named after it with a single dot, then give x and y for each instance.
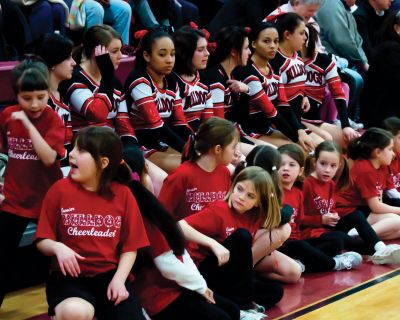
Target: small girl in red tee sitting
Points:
(227, 229)
(90, 223)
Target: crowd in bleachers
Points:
(228, 162)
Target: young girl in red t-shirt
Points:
(392, 196)
(228, 228)
(32, 135)
(267, 260)
(203, 177)
(92, 227)
(323, 199)
(316, 248)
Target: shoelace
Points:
(347, 262)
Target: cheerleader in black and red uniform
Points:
(192, 56)
(232, 50)
(155, 105)
(291, 69)
(94, 94)
(266, 103)
(322, 71)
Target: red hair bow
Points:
(196, 27)
(248, 30)
(140, 34)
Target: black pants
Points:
(315, 253)
(93, 290)
(236, 280)
(12, 228)
(358, 220)
(191, 305)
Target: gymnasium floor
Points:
(371, 292)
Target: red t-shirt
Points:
(189, 189)
(27, 179)
(366, 182)
(218, 221)
(294, 198)
(394, 172)
(154, 291)
(318, 200)
(97, 228)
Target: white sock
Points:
(379, 246)
(353, 232)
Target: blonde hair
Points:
(267, 208)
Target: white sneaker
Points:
(347, 260)
(251, 315)
(391, 254)
(355, 125)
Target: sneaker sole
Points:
(393, 258)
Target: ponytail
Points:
(373, 138)
(158, 215)
(212, 132)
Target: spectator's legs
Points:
(94, 13)
(39, 18)
(59, 17)
(146, 16)
(356, 83)
(118, 15)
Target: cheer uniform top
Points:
(221, 95)
(293, 75)
(196, 100)
(322, 71)
(96, 104)
(266, 104)
(154, 111)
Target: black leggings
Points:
(358, 220)
(132, 154)
(12, 228)
(191, 305)
(316, 253)
(235, 280)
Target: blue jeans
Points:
(118, 15)
(356, 83)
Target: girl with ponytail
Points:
(203, 176)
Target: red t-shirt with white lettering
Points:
(27, 179)
(366, 182)
(189, 188)
(294, 198)
(394, 172)
(319, 199)
(95, 227)
(219, 221)
(154, 291)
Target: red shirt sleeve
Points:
(55, 136)
(171, 194)
(207, 222)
